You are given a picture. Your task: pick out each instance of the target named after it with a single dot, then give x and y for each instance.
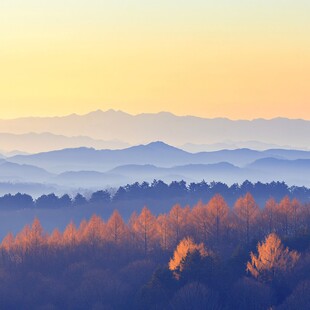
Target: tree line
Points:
(209, 256)
(213, 223)
(160, 191)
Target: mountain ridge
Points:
(156, 153)
(167, 127)
(91, 169)
(121, 112)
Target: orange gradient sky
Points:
(223, 59)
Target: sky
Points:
(236, 59)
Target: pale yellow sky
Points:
(240, 61)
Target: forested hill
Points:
(207, 257)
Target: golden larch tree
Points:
(81, 231)
(8, 242)
(70, 235)
(116, 228)
(218, 211)
(55, 239)
(285, 213)
(163, 231)
(23, 239)
(94, 232)
(37, 236)
(272, 259)
(268, 215)
(132, 234)
(145, 228)
(201, 220)
(185, 246)
(296, 214)
(247, 212)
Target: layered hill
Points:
(175, 130)
(89, 169)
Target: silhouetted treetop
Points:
(177, 191)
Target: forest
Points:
(208, 256)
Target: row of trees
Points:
(212, 223)
(160, 191)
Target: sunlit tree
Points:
(8, 242)
(163, 231)
(116, 229)
(70, 236)
(94, 232)
(23, 239)
(9, 249)
(37, 237)
(132, 235)
(247, 212)
(201, 220)
(284, 215)
(55, 239)
(272, 260)
(218, 212)
(187, 227)
(296, 213)
(81, 231)
(269, 213)
(145, 228)
(186, 246)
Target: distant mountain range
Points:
(22, 144)
(90, 169)
(233, 145)
(42, 142)
(11, 171)
(155, 153)
(100, 130)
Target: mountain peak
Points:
(157, 146)
(158, 143)
(161, 145)
(107, 112)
